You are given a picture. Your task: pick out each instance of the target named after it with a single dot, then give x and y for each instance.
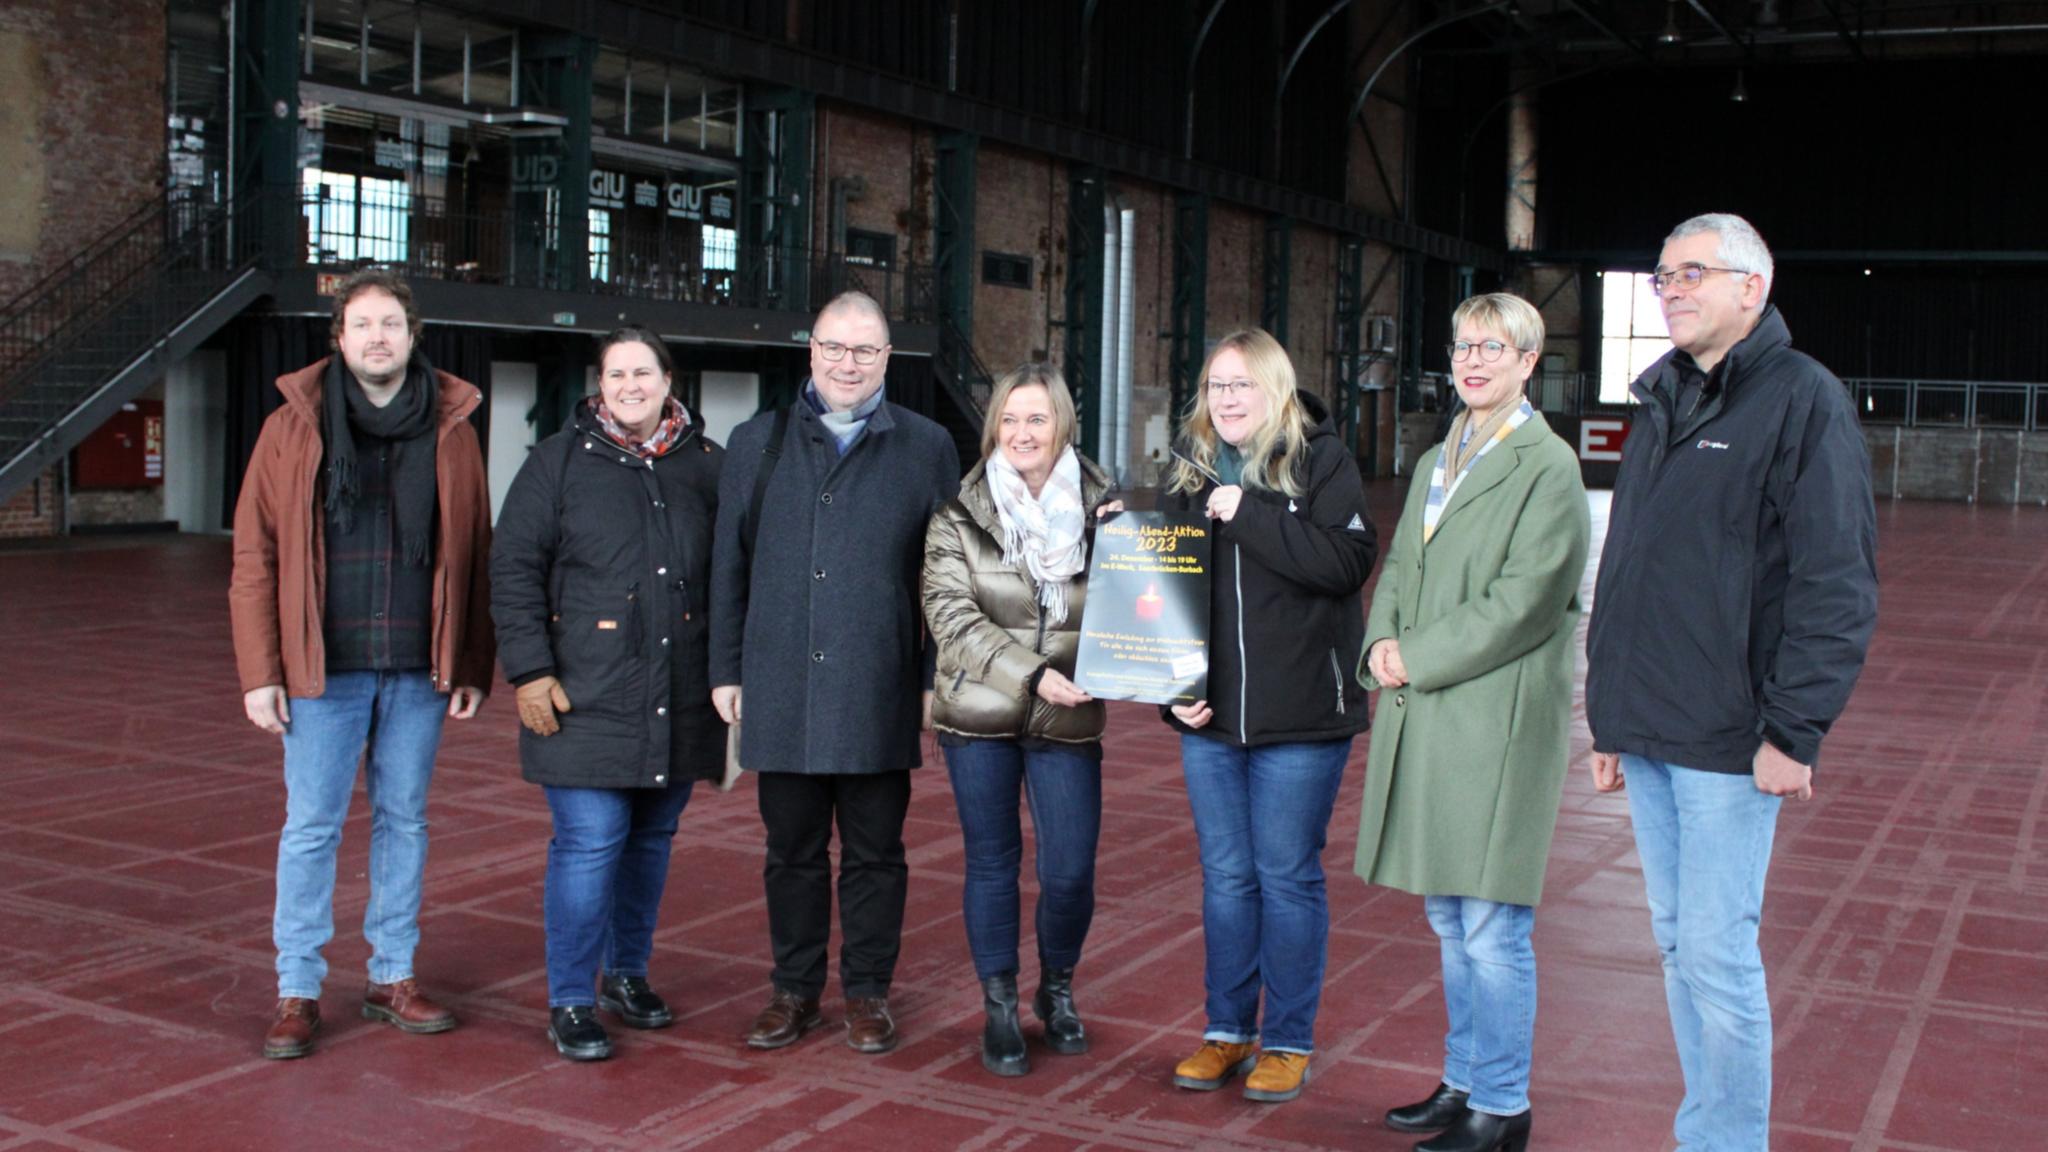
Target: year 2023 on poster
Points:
(1145, 626)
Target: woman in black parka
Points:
(600, 569)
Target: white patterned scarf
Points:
(1440, 492)
(1045, 531)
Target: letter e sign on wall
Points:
(1601, 439)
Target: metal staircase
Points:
(98, 330)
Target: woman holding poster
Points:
(1005, 575)
(1264, 754)
(1472, 653)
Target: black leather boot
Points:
(1480, 1132)
(1054, 1007)
(1435, 1114)
(1002, 1037)
(577, 1034)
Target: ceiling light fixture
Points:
(1671, 34)
(1741, 93)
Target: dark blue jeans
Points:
(1262, 816)
(607, 865)
(1065, 791)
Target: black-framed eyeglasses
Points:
(1230, 387)
(1688, 276)
(1489, 351)
(863, 354)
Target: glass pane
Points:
(1614, 369)
(390, 45)
(721, 248)
(337, 40)
(600, 245)
(1649, 315)
(1616, 292)
(1643, 352)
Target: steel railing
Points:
(435, 240)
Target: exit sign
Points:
(565, 319)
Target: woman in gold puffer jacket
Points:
(1006, 564)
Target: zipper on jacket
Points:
(1243, 677)
(1337, 673)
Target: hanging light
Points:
(1741, 93)
(1671, 34)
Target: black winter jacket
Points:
(1738, 583)
(600, 576)
(1286, 622)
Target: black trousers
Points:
(799, 811)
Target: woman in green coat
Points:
(1469, 640)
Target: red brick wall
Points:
(92, 71)
(81, 148)
(1020, 209)
(892, 161)
(1237, 252)
(33, 511)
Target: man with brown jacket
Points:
(359, 601)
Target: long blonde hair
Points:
(1274, 451)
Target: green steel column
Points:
(1190, 302)
(1350, 319)
(953, 252)
(551, 174)
(1278, 267)
(1084, 299)
(775, 196)
(266, 75)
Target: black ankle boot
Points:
(1002, 1037)
(1054, 1007)
(577, 1034)
(1435, 1114)
(1480, 1132)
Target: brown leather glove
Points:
(539, 700)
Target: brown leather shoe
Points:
(868, 1025)
(1279, 1077)
(1215, 1062)
(405, 1007)
(291, 1033)
(784, 1021)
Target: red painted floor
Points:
(1906, 928)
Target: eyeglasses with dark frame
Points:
(863, 354)
(1687, 276)
(1489, 351)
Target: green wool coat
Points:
(1468, 759)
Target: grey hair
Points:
(855, 302)
(1741, 246)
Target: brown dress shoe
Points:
(406, 1008)
(291, 1033)
(868, 1026)
(784, 1021)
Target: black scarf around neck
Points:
(410, 422)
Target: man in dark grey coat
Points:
(815, 611)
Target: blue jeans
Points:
(1065, 791)
(1262, 817)
(1489, 998)
(607, 866)
(396, 718)
(1705, 843)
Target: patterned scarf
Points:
(1439, 492)
(1045, 530)
(667, 433)
(845, 427)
